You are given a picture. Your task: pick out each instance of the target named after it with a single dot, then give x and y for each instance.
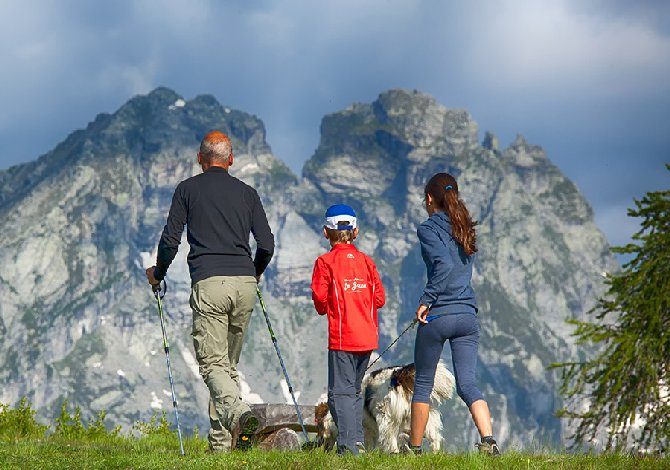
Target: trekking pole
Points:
(281, 361)
(159, 294)
(394, 342)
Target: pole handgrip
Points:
(160, 289)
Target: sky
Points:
(587, 80)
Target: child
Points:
(347, 288)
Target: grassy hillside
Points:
(72, 443)
(164, 453)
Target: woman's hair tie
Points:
(448, 187)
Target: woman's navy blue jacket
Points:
(448, 289)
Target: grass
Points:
(163, 453)
(72, 443)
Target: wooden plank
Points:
(277, 416)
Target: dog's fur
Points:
(387, 396)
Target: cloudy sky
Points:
(587, 80)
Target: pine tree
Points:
(623, 390)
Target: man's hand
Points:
(422, 313)
(155, 284)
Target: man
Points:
(220, 212)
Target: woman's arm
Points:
(437, 254)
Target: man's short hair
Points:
(215, 147)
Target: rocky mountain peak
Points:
(160, 96)
(367, 148)
(424, 122)
(491, 142)
(525, 155)
(544, 181)
(400, 102)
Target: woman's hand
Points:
(422, 313)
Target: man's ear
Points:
(355, 233)
(325, 233)
(231, 159)
(199, 159)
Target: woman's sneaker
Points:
(488, 446)
(247, 428)
(410, 449)
(361, 447)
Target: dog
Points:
(387, 396)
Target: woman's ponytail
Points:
(443, 189)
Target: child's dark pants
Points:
(345, 375)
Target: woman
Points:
(448, 246)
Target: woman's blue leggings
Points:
(462, 331)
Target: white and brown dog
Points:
(387, 396)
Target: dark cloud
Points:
(655, 13)
(587, 80)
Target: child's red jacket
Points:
(347, 288)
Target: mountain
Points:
(80, 224)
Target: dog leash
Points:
(414, 322)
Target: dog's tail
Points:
(444, 386)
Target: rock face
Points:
(79, 225)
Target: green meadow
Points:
(71, 442)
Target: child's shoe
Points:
(343, 450)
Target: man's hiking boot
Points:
(488, 446)
(247, 428)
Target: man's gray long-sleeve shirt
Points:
(220, 212)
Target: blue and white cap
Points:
(340, 213)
